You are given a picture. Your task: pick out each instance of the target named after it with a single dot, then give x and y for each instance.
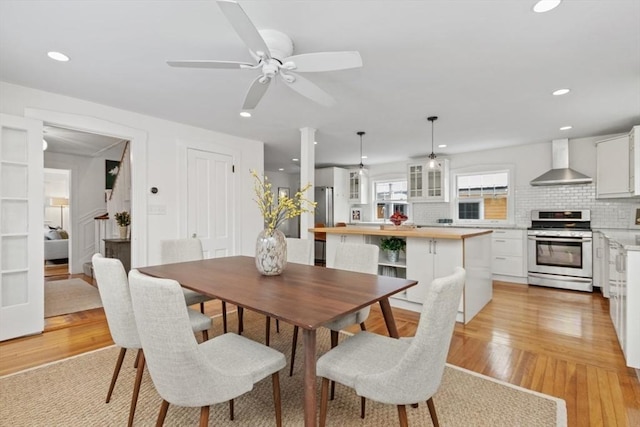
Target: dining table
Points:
(302, 295)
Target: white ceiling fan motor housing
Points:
(279, 44)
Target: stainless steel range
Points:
(560, 249)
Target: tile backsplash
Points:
(605, 213)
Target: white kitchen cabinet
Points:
(618, 166)
(358, 187)
(601, 262)
(428, 184)
(333, 240)
(508, 248)
(617, 292)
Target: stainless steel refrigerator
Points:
(324, 209)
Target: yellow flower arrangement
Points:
(277, 210)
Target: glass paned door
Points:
(21, 223)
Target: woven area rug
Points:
(69, 296)
(72, 393)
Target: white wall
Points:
(161, 162)
(56, 184)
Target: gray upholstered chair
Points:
(299, 251)
(358, 257)
(186, 373)
(398, 372)
(183, 250)
(116, 300)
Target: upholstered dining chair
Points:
(183, 250)
(358, 257)
(321, 238)
(116, 300)
(186, 373)
(398, 371)
(299, 251)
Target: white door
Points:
(21, 227)
(210, 201)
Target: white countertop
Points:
(627, 238)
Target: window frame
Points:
(483, 170)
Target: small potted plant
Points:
(123, 219)
(393, 246)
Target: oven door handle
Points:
(561, 240)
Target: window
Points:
(390, 196)
(391, 190)
(483, 197)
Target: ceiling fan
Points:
(272, 52)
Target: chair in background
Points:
(116, 300)
(183, 250)
(398, 372)
(186, 373)
(299, 251)
(358, 257)
(319, 237)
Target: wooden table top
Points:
(431, 233)
(303, 295)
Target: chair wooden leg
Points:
(334, 343)
(432, 412)
(323, 401)
(231, 409)
(205, 335)
(294, 345)
(267, 330)
(278, 326)
(163, 413)
(240, 320)
(202, 307)
(224, 316)
(363, 402)
(116, 371)
(362, 326)
(204, 416)
(135, 364)
(402, 414)
(275, 380)
(136, 387)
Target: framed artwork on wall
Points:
(356, 214)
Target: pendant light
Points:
(360, 134)
(432, 156)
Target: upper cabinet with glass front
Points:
(358, 183)
(428, 184)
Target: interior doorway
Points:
(57, 219)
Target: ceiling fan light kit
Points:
(272, 50)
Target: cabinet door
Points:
(415, 181)
(419, 267)
(333, 240)
(612, 172)
(437, 182)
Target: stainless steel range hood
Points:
(561, 174)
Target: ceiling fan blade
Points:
(310, 90)
(325, 61)
(255, 93)
(244, 27)
(204, 63)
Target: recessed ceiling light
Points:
(442, 145)
(545, 5)
(315, 142)
(561, 92)
(566, 127)
(280, 169)
(295, 160)
(58, 56)
(245, 114)
(364, 157)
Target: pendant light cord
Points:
(360, 133)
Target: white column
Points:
(307, 175)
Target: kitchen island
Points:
(430, 253)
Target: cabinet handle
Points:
(430, 243)
(500, 240)
(435, 245)
(501, 258)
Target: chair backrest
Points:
(358, 257)
(180, 250)
(418, 374)
(299, 251)
(181, 372)
(116, 300)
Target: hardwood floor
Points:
(556, 342)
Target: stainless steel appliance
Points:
(560, 245)
(324, 207)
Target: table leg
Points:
(309, 344)
(388, 318)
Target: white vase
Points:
(271, 252)
(123, 232)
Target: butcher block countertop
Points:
(432, 233)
